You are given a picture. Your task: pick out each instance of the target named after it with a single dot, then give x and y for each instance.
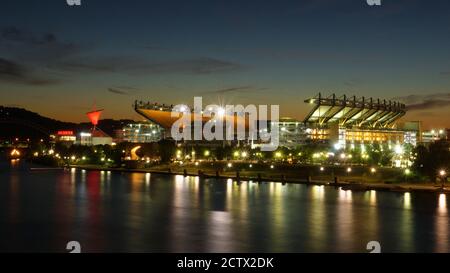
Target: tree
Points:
(375, 154)
(166, 150)
(223, 152)
(429, 161)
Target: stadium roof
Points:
(353, 111)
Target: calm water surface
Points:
(134, 212)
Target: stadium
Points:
(338, 120)
(345, 120)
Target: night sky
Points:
(57, 60)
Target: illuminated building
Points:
(85, 139)
(356, 120)
(161, 115)
(291, 132)
(67, 137)
(411, 137)
(144, 132)
(94, 138)
(332, 120)
(433, 135)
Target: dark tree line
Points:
(432, 159)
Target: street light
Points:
(337, 146)
(398, 149)
(443, 174)
(407, 172)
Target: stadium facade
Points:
(336, 120)
(345, 120)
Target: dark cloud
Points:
(128, 88)
(241, 90)
(43, 48)
(88, 67)
(428, 104)
(117, 91)
(425, 102)
(14, 34)
(232, 89)
(412, 99)
(41, 59)
(134, 66)
(49, 51)
(352, 83)
(13, 72)
(198, 66)
(28, 57)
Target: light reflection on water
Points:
(442, 225)
(344, 220)
(407, 200)
(142, 212)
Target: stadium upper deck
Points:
(354, 112)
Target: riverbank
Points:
(345, 182)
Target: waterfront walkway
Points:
(344, 182)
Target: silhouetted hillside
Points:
(19, 122)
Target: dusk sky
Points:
(57, 60)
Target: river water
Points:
(40, 211)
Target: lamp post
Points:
(443, 175)
(407, 172)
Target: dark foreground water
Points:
(134, 212)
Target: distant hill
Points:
(19, 122)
